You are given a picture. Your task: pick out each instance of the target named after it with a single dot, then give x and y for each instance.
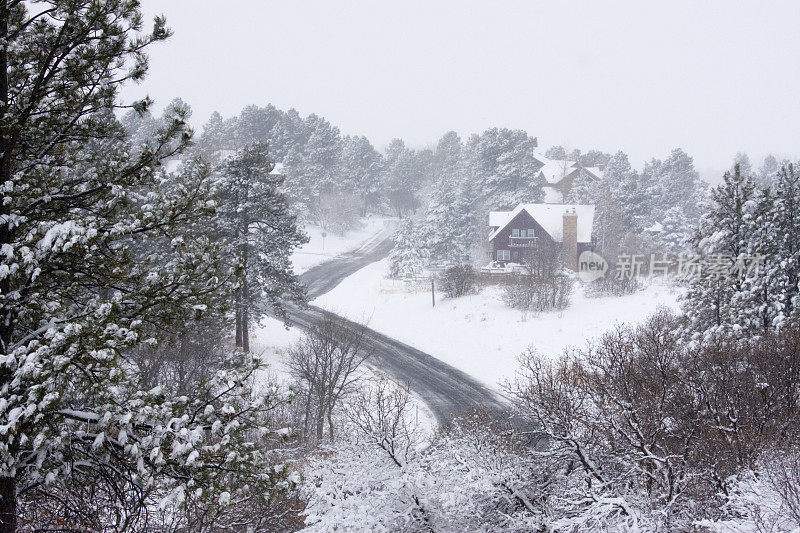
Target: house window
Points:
(515, 232)
(503, 255)
(516, 255)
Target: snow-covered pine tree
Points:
(556, 152)
(450, 220)
(585, 189)
(215, 137)
(768, 171)
(409, 255)
(401, 178)
(622, 204)
(360, 172)
(323, 153)
(744, 164)
(78, 438)
(722, 235)
(673, 187)
(757, 298)
(259, 233)
(593, 158)
(785, 231)
(502, 168)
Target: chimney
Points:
(570, 239)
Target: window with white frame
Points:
(503, 255)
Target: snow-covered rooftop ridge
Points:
(550, 217)
(595, 171)
(555, 171)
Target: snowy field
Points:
(479, 334)
(318, 250)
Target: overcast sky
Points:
(711, 77)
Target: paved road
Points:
(446, 390)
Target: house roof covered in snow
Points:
(548, 216)
(594, 171)
(555, 171)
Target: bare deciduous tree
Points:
(324, 364)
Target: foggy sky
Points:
(711, 77)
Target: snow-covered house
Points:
(524, 230)
(558, 175)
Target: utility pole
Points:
(433, 294)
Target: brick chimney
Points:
(570, 239)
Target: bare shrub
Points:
(611, 285)
(533, 293)
(543, 284)
(458, 280)
(380, 410)
(324, 364)
(178, 363)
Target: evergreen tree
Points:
(723, 234)
(409, 256)
(556, 152)
(451, 216)
(742, 160)
(673, 187)
(502, 167)
(102, 252)
(768, 171)
(785, 232)
(259, 234)
(593, 158)
(401, 178)
(360, 172)
(622, 204)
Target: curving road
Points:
(446, 390)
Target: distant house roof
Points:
(548, 216)
(555, 171)
(597, 172)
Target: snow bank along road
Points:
(446, 390)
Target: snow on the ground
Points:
(318, 250)
(271, 339)
(479, 334)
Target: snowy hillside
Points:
(479, 334)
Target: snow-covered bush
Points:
(458, 280)
(763, 499)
